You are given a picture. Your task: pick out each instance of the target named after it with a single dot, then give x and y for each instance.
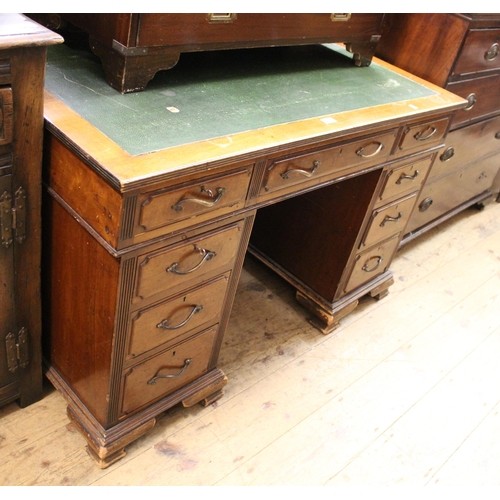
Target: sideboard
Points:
(316, 162)
(23, 44)
(459, 52)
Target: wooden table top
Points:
(217, 106)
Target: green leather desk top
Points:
(215, 94)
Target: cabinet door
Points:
(8, 378)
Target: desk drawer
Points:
(167, 372)
(468, 143)
(389, 219)
(289, 171)
(423, 135)
(185, 264)
(164, 207)
(161, 323)
(483, 96)
(409, 177)
(371, 263)
(6, 111)
(448, 192)
(479, 53)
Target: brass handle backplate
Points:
(447, 154)
(492, 52)
(471, 99)
(425, 204)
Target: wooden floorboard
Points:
(405, 392)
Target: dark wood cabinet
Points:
(134, 47)
(22, 67)
(459, 52)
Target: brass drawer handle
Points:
(497, 135)
(307, 173)
(213, 199)
(447, 154)
(377, 265)
(165, 326)
(207, 255)
(492, 52)
(410, 177)
(221, 18)
(471, 99)
(391, 219)
(419, 136)
(425, 204)
(177, 375)
(359, 152)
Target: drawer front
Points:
(285, 172)
(218, 195)
(163, 374)
(423, 135)
(408, 177)
(260, 29)
(6, 112)
(468, 143)
(480, 52)
(482, 94)
(450, 191)
(389, 219)
(162, 323)
(371, 263)
(163, 270)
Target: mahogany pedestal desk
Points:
(151, 198)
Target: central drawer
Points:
(283, 172)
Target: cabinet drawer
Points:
(423, 135)
(218, 195)
(479, 52)
(468, 143)
(448, 192)
(482, 94)
(5, 115)
(399, 180)
(289, 171)
(161, 323)
(369, 264)
(167, 372)
(389, 219)
(163, 270)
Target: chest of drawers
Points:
(143, 250)
(134, 47)
(460, 53)
(23, 45)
